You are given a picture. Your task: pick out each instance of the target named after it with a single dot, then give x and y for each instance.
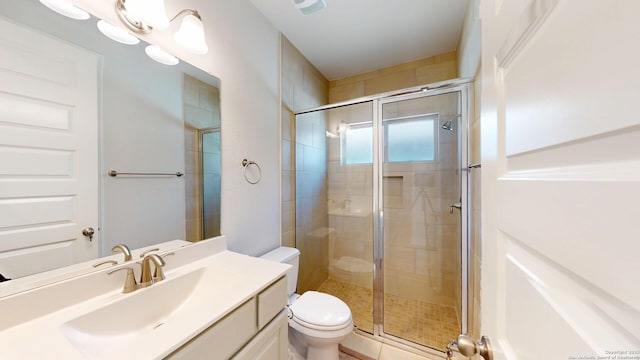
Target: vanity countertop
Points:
(37, 334)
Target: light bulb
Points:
(117, 34)
(191, 35)
(161, 56)
(66, 8)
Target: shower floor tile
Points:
(418, 321)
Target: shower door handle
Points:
(457, 205)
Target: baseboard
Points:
(354, 353)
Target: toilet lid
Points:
(320, 309)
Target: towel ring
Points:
(246, 163)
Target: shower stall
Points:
(381, 206)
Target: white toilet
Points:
(317, 320)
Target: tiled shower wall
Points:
(303, 86)
(201, 111)
(420, 72)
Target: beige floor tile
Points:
(418, 321)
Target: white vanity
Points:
(213, 304)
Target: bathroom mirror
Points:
(151, 117)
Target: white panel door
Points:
(48, 152)
(561, 178)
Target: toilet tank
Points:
(286, 255)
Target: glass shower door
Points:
(334, 206)
(420, 179)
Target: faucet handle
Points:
(124, 249)
(129, 282)
(158, 273)
(112, 262)
(146, 252)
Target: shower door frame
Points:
(463, 86)
(201, 133)
(378, 208)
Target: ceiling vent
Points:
(307, 7)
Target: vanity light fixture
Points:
(117, 34)
(191, 32)
(156, 53)
(143, 16)
(66, 8)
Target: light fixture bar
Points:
(187, 12)
(132, 24)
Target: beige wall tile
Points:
(288, 186)
(418, 72)
(209, 98)
(449, 56)
(346, 92)
(303, 87)
(436, 72)
(287, 239)
(354, 79)
(412, 65)
(288, 216)
(191, 93)
(190, 138)
(286, 124)
(287, 155)
(315, 85)
(393, 81)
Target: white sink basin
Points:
(118, 324)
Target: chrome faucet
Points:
(146, 279)
(123, 249)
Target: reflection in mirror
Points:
(202, 140)
(210, 144)
(138, 111)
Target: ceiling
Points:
(350, 37)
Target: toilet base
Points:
(314, 348)
(297, 347)
(323, 353)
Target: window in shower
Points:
(410, 139)
(358, 144)
(406, 139)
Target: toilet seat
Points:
(320, 311)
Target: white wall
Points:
(469, 48)
(244, 54)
